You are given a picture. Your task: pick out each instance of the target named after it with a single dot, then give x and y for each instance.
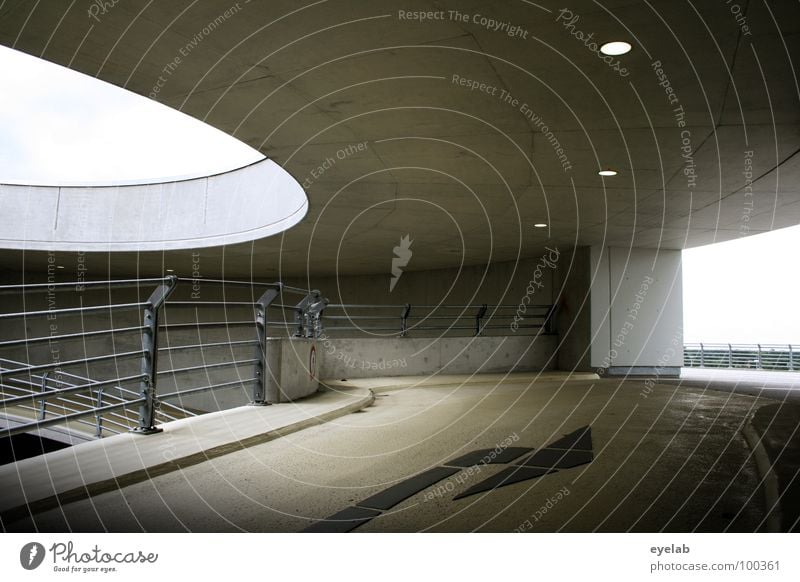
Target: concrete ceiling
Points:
(465, 173)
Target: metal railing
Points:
(47, 394)
(753, 356)
(409, 319)
(161, 331)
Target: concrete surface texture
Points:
(664, 459)
(105, 464)
(368, 110)
(242, 205)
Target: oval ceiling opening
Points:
(61, 127)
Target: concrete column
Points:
(622, 312)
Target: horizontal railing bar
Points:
(71, 336)
(196, 303)
(37, 368)
(208, 366)
(443, 306)
(211, 345)
(347, 317)
(205, 324)
(8, 432)
(206, 388)
(178, 408)
(74, 389)
(72, 310)
(83, 284)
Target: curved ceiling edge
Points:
(242, 205)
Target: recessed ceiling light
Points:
(59, 266)
(607, 172)
(615, 48)
(170, 270)
(540, 225)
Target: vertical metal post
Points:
(478, 317)
(548, 321)
(730, 356)
(702, 356)
(791, 359)
(261, 367)
(43, 402)
(404, 320)
(147, 386)
(98, 417)
(760, 366)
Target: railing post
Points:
(404, 320)
(548, 319)
(147, 387)
(730, 356)
(760, 366)
(98, 417)
(702, 356)
(306, 315)
(262, 369)
(478, 317)
(791, 359)
(43, 403)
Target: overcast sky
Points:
(58, 126)
(743, 291)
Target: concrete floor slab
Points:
(108, 464)
(667, 458)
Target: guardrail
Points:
(48, 394)
(401, 320)
(753, 356)
(151, 331)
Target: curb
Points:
(769, 479)
(140, 475)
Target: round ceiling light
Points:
(615, 48)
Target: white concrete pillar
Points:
(630, 303)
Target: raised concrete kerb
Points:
(242, 205)
(769, 479)
(41, 483)
(387, 384)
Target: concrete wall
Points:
(503, 282)
(362, 358)
(573, 321)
